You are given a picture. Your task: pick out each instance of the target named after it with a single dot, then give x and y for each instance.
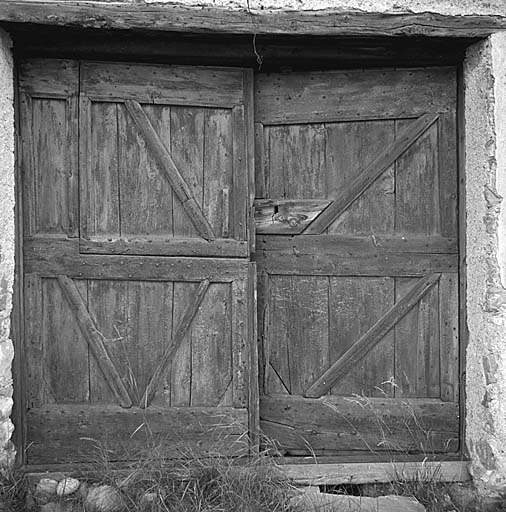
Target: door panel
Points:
(357, 254)
(137, 315)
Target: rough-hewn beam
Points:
(123, 15)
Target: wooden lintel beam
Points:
(371, 338)
(178, 18)
(170, 170)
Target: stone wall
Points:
(485, 163)
(7, 243)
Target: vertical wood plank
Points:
(66, 352)
(218, 164)
(87, 206)
(355, 305)
(240, 176)
(107, 304)
(33, 341)
(428, 350)
(262, 320)
(260, 162)
(101, 178)
(308, 331)
(417, 212)
(349, 149)
(212, 348)
(239, 304)
(142, 185)
(406, 335)
(277, 335)
(149, 319)
(187, 149)
(72, 164)
(253, 349)
(449, 322)
(447, 167)
(180, 376)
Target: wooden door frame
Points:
(195, 54)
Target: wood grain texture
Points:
(286, 216)
(161, 246)
(354, 306)
(142, 184)
(154, 83)
(240, 314)
(178, 337)
(350, 147)
(48, 152)
(51, 256)
(68, 433)
(180, 18)
(170, 170)
(366, 342)
(301, 97)
(379, 472)
(334, 423)
(404, 140)
(94, 340)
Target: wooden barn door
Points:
(136, 258)
(357, 252)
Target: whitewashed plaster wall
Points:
(7, 244)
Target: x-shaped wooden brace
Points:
(95, 341)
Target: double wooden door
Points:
(138, 282)
(136, 258)
(357, 253)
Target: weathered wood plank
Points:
(94, 339)
(155, 83)
(448, 174)
(286, 216)
(170, 170)
(70, 433)
(162, 246)
(142, 187)
(177, 339)
(99, 184)
(405, 139)
(302, 97)
(366, 342)
(350, 147)
(240, 177)
(49, 78)
(253, 349)
(376, 472)
(416, 169)
(344, 245)
(107, 305)
(355, 304)
(211, 352)
(48, 160)
(180, 18)
(449, 332)
(50, 257)
(34, 346)
(179, 378)
(65, 372)
(218, 167)
(380, 264)
(417, 345)
(331, 424)
(187, 150)
(240, 342)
